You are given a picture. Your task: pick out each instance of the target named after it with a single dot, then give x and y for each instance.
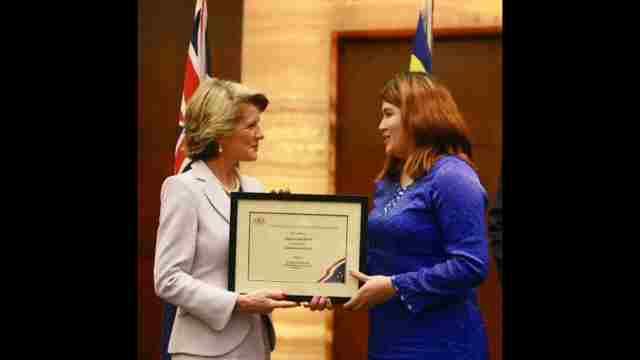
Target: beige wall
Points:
(286, 53)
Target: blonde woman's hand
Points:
(263, 301)
(319, 303)
(281, 191)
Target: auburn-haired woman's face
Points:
(390, 127)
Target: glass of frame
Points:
(301, 244)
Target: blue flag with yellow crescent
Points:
(421, 54)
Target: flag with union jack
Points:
(422, 44)
(195, 70)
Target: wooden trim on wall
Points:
(474, 32)
(336, 36)
(438, 33)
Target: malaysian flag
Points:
(423, 42)
(195, 70)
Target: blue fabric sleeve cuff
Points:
(393, 283)
(401, 291)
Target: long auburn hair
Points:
(430, 117)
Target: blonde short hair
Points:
(211, 114)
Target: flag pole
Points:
(427, 12)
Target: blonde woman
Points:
(222, 128)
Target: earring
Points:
(219, 148)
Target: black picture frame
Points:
(236, 197)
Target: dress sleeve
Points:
(459, 202)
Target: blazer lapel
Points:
(212, 189)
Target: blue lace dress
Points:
(431, 238)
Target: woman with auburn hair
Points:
(428, 248)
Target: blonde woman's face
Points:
(391, 130)
(242, 144)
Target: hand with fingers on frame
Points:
(319, 303)
(281, 191)
(377, 289)
(263, 302)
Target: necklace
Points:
(395, 198)
(235, 178)
(234, 188)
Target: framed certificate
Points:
(302, 244)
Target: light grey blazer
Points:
(191, 263)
